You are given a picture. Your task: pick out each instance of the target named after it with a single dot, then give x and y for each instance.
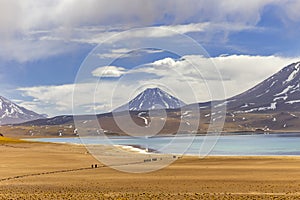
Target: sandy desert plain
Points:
(31, 170)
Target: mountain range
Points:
(272, 105)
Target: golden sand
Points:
(57, 171)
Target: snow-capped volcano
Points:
(11, 113)
(280, 92)
(151, 99)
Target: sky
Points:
(70, 56)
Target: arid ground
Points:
(60, 171)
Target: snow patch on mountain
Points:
(293, 74)
(140, 115)
(285, 90)
(292, 102)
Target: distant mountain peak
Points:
(151, 99)
(153, 89)
(11, 113)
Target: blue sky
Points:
(46, 43)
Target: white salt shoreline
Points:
(131, 148)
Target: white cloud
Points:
(73, 98)
(33, 14)
(123, 52)
(166, 62)
(291, 8)
(49, 99)
(162, 31)
(240, 72)
(115, 53)
(110, 35)
(29, 50)
(109, 71)
(37, 44)
(28, 28)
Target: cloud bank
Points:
(239, 73)
(32, 29)
(108, 71)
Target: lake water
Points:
(259, 144)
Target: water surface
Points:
(258, 144)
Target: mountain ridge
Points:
(279, 92)
(270, 106)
